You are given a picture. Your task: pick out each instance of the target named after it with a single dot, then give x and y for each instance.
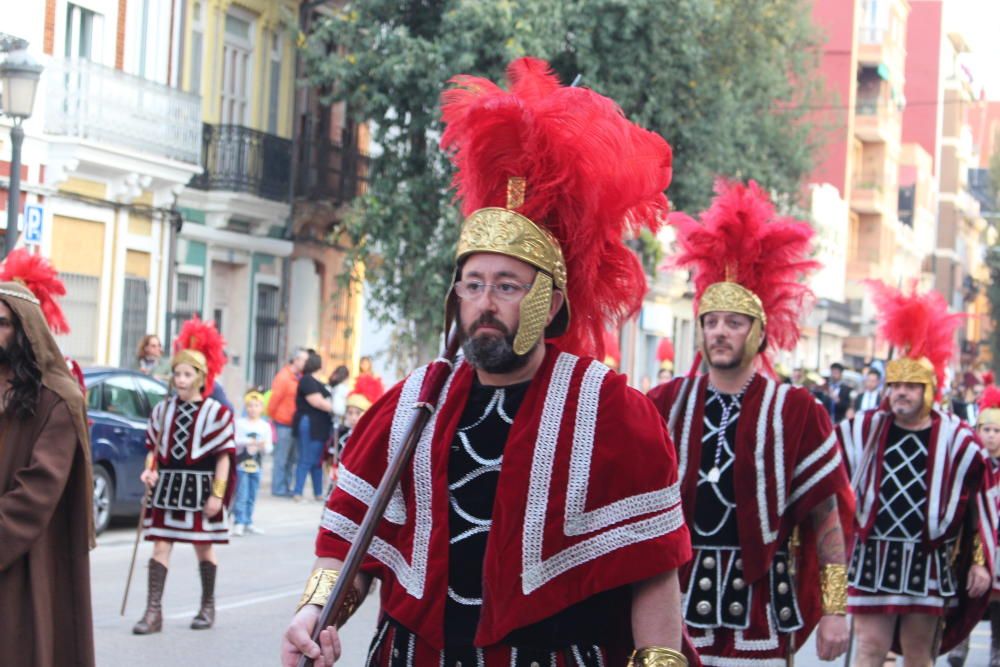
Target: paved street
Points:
(260, 579)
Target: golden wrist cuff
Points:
(218, 488)
(978, 556)
(657, 656)
(833, 584)
(320, 587)
(150, 457)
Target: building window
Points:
(134, 317)
(83, 33)
(81, 306)
(237, 65)
(187, 302)
(265, 347)
(275, 93)
(197, 40)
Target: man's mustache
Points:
(488, 320)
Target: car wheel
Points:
(104, 495)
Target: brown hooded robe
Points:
(46, 513)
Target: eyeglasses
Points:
(472, 290)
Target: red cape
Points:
(774, 493)
(557, 538)
(958, 477)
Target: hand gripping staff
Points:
(437, 374)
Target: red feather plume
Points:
(988, 378)
(203, 337)
(918, 325)
(41, 278)
(369, 386)
(990, 398)
(665, 350)
(740, 238)
(592, 176)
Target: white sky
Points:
(979, 22)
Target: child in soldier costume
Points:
(190, 469)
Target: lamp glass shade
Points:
(19, 74)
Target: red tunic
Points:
(587, 500)
(786, 463)
(187, 438)
(957, 479)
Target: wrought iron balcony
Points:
(329, 170)
(240, 159)
(104, 105)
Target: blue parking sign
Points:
(33, 217)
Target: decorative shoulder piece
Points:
(833, 582)
(657, 656)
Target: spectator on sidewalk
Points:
(253, 440)
(339, 389)
(281, 409)
(313, 425)
(149, 358)
(367, 382)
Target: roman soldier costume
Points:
(753, 465)
(989, 415)
(528, 509)
(185, 439)
(924, 508)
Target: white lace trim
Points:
(469, 602)
(767, 535)
(692, 401)
(536, 571)
(472, 475)
(952, 436)
(814, 456)
(400, 422)
(819, 475)
(769, 644)
(411, 575)
(719, 661)
(355, 486)
(779, 446)
(578, 520)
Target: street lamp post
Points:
(19, 74)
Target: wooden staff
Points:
(138, 537)
(146, 497)
(359, 547)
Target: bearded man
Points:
(539, 522)
(764, 489)
(46, 491)
(925, 520)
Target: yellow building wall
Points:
(77, 245)
(137, 264)
(87, 188)
(140, 225)
(270, 20)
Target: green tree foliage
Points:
(722, 81)
(993, 294)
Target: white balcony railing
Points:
(101, 104)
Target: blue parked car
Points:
(119, 402)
